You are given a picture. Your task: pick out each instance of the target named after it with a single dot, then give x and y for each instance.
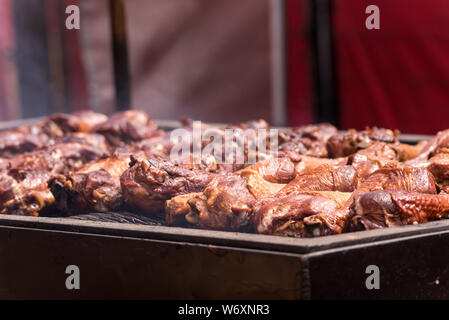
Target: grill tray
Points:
(123, 255)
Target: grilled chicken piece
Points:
(306, 140)
(93, 188)
(276, 170)
(305, 163)
(376, 156)
(225, 204)
(439, 141)
(147, 184)
(323, 178)
(438, 165)
(262, 179)
(178, 210)
(24, 139)
(266, 178)
(406, 178)
(383, 209)
(24, 192)
(409, 152)
(90, 139)
(340, 197)
(126, 127)
(156, 147)
(285, 216)
(59, 124)
(42, 135)
(4, 163)
(59, 158)
(351, 141)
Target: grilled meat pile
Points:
(319, 182)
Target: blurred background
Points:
(291, 62)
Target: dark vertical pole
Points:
(322, 46)
(120, 54)
(278, 62)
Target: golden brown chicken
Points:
(406, 178)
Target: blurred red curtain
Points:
(395, 77)
(398, 76)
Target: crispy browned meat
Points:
(405, 178)
(266, 178)
(284, 213)
(261, 180)
(276, 170)
(340, 197)
(439, 141)
(320, 132)
(376, 156)
(323, 178)
(126, 127)
(59, 158)
(93, 188)
(34, 137)
(284, 216)
(156, 147)
(306, 140)
(438, 165)
(25, 139)
(225, 204)
(24, 192)
(147, 184)
(178, 210)
(349, 142)
(409, 152)
(3, 164)
(59, 124)
(90, 139)
(305, 163)
(382, 209)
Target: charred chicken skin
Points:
(328, 185)
(382, 209)
(24, 192)
(25, 139)
(226, 202)
(147, 184)
(351, 141)
(93, 188)
(126, 127)
(285, 216)
(406, 178)
(60, 124)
